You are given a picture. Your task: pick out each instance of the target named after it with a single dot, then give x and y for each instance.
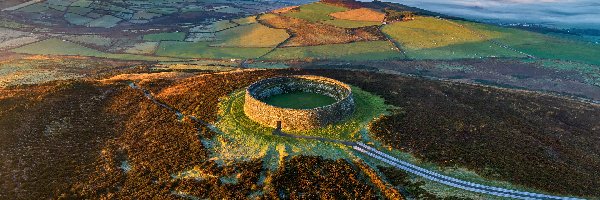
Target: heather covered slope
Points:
(143, 100)
(137, 150)
(527, 139)
(51, 134)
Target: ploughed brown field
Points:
(71, 138)
(361, 14)
(306, 33)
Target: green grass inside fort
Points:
(300, 100)
(244, 139)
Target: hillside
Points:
(149, 143)
(145, 100)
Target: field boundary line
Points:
(22, 5)
(394, 42)
(495, 42)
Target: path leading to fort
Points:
(386, 158)
(449, 181)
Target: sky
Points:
(555, 13)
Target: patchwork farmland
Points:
(141, 99)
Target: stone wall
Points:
(298, 119)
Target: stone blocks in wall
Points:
(298, 119)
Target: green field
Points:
(214, 27)
(263, 65)
(540, 45)
(357, 51)
(106, 21)
(79, 10)
(300, 100)
(204, 50)
(12, 24)
(460, 51)
(245, 20)
(431, 38)
(81, 3)
(96, 40)
(60, 47)
(429, 33)
(252, 35)
(172, 36)
(342, 23)
(315, 12)
(143, 48)
(77, 19)
(35, 8)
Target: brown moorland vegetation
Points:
(246, 173)
(50, 135)
(284, 9)
(538, 141)
(387, 190)
(361, 14)
(143, 78)
(412, 189)
(156, 145)
(352, 4)
(544, 142)
(320, 179)
(200, 95)
(395, 15)
(400, 8)
(38, 69)
(305, 33)
(380, 5)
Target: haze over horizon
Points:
(555, 13)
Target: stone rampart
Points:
(298, 119)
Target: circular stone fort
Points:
(260, 107)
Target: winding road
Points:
(386, 158)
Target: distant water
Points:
(583, 14)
